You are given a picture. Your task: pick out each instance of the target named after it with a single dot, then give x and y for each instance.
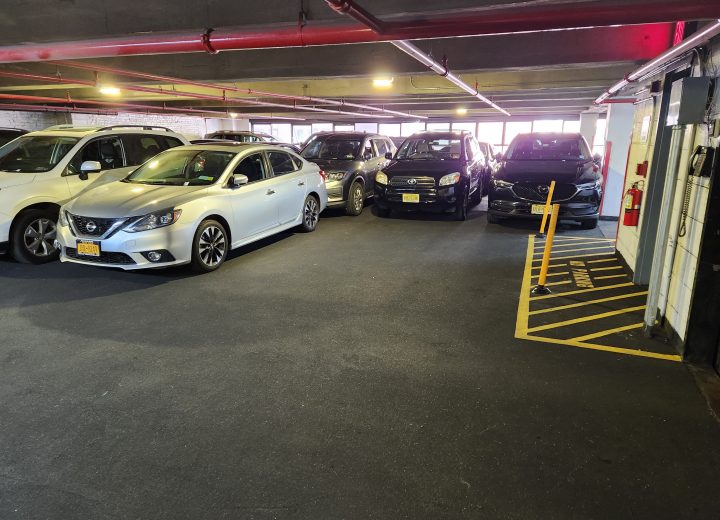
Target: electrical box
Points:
(689, 101)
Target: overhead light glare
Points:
(233, 114)
(109, 90)
(461, 111)
(383, 82)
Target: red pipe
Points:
(48, 108)
(357, 12)
(478, 22)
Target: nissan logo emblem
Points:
(412, 181)
(543, 189)
(90, 227)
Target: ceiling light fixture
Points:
(461, 111)
(109, 90)
(383, 82)
(233, 114)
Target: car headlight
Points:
(381, 178)
(451, 178)
(154, 220)
(334, 176)
(63, 218)
(589, 185)
(497, 183)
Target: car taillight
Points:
(322, 174)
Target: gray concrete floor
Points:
(367, 370)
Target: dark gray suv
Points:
(350, 161)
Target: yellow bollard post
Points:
(540, 288)
(548, 202)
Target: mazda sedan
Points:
(192, 205)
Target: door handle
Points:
(270, 192)
(301, 183)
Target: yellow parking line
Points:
(605, 348)
(580, 249)
(589, 302)
(575, 244)
(553, 274)
(613, 268)
(608, 332)
(521, 322)
(569, 239)
(564, 282)
(601, 261)
(608, 277)
(581, 291)
(550, 266)
(592, 317)
(575, 256)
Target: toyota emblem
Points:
(543, 189)
(90, 227)
(412, 181)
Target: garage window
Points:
(281, 163)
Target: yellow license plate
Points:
(411, 197)
(537, 209)
(88, 248)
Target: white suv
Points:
(41, 171)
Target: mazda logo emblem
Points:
(90, 227)
(543, 189)
(412, 181)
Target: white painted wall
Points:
(213, 125)
(588, 126)
(189, 126)
(32, 120)
(619, 130)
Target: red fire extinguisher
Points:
(633, 199)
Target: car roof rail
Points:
(61, 127)
(144, 127)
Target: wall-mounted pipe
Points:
(523, 18)
(656, 65)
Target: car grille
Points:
(106, 257)
(530, 191)
(420, 182)
(102, 225)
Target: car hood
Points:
(8, 179)
(543, 171)
(435, 169)
(337, 165)
(124, 199)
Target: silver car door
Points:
(289, 184)
(254, 204)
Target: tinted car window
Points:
(35, 153)
(382, 147)
(140, 148)
(547, 148)
(421, 148)
(172, 142)
(334, 148)
(182, 167)
(281, 163)
(253, 167)
(8, 135)
(107, 151)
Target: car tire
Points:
(477, 196)
(492, 219)
(210, 246)
(462, 208)
(33, 234)
(356, 199)
(310, 214)
(589, 224)
(383, 212)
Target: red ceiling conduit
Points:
(230, 88)
(49, 108)
(525, 18)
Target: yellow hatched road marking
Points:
(577, 256)
(592, 317)
(581, 291)
(553, 274)
(574, 250)
(608, 277)
(608, 332)
(550, 266)
(575, 244)
(605, 348)
(601, 261)
(564, 282)
(570, 239)
(589, 302)
(613, 268)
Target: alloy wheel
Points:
(358, 198)
(311, 212)
(212, 245)
(39, 237)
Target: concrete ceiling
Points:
(529, 74)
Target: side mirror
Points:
(238, 179)
(89, 167)
(388, 156)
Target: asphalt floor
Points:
(367, 370)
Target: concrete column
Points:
(588, 125)
(618, 134)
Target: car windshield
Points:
(338, 149)
(182, 168)
(32, 154)
(430, 149)
(548, 148)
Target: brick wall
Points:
(188, 126)
(32, 120)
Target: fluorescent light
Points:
(109, 90)
(383, 82)
(233, 114)
(461, 111)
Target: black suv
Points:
(8, 134)
(435, 171)
(520, 187)
(350, 161)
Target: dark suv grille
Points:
(531, 191)
(420, 182)
(106, 257)
(98, 226)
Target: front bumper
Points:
(438, 199)
(124, 250)
(568, 210)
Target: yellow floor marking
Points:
(521, 323)
(589, 302)
(580, 249)
(613, 268)
(608, 332)
(553, 274)
(608, 277)
(601, 261)
(550, 266)
(564, 282)
(583, 319)
(569, 239)
(576, 256)
(575, 244)
(581, 291)
(605, 348)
